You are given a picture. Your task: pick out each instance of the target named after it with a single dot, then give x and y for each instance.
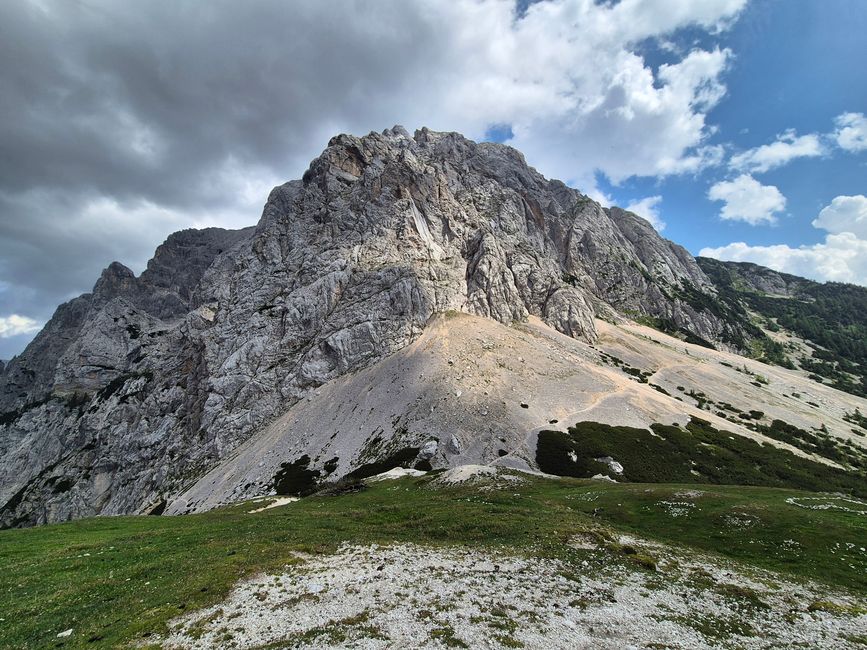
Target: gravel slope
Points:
(476, 389)
(416, 597)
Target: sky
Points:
(737, 127)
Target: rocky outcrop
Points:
(137, 388)
(746, 276)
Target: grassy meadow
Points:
(119, 580)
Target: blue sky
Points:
(738, 124)
(795, 65)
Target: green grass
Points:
(120, 580)
(753, 525)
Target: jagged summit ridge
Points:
(146, 382)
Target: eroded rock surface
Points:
(136, 389)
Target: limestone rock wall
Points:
(134, 390)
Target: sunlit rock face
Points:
(132, 391)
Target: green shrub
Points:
(698, 453)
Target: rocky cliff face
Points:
(745, 276)
(132, 391)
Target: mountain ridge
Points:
(820, 328)
(132, 391)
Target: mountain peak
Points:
(226, 330)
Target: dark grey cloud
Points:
(120, 98)
(171, 108)
(121, 122)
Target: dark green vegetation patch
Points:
(636, 373)
(856, 418)
(295, 478)
(401, 458)
(698, 453)
(831, 317)
(817, 442)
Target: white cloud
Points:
(745, 199)
(844, 214)
(851, 133)
(842, 257)
(785, 148)
(647, 208)
(15, 324)
(616, 117)
(175, 125)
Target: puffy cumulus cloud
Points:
(14, 325)
(785, 148)
(845, 214)
(647, 209)
(842, 257)
(851, 132)
(745, 199)
(623, 121)
(121, 122)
